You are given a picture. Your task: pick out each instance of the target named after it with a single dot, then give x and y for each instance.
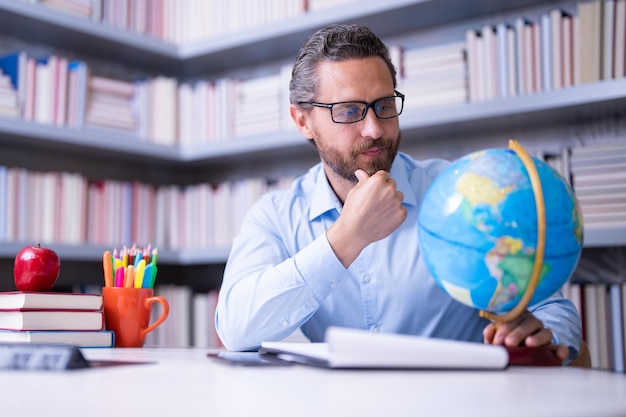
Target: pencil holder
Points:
(127, 313)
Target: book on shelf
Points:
(85, 338)
(76, 93)
(505, 41)
(616, 330)
(4, 205)
(619, 46)
(50, 90)
(355, 348)
(204, 332)
(16, 300)
(51, 319)
(434, 76)
(14, 66)
(110, 103)
(590, 15)
(598, 175)
(607, 36)
(623, 322)
(85, 8)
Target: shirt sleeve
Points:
(561, 316)
(269, 290)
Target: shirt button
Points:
(285, 323)
(333, 284)
(367, 278)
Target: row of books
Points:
(63, 207)
(495, 62)
(53, 317)
(163, 111)
(602, 307)
(56, 91)
(186, 21)
(598, 175)
(553, 50)
(191, 322)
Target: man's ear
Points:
(302, 119)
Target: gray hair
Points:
(334, 43)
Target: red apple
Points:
(36, 268)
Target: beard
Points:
(345, 165)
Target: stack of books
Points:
(434, 76)
(48, 317)
(599, 179)
(9, 92)
(110, 104)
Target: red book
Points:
(528, 356)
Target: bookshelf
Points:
(237, 49)
(563, 106)
(118, 155)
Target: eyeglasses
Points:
(355, 111)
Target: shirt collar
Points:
(324, 198)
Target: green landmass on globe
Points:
(478, 230)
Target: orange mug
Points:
(127, 313)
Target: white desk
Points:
(184, 382)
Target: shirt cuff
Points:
(320, 268)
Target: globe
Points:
(499, 230)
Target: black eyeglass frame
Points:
(371, 105)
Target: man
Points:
(341, 246)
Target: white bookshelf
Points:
(259, 44)
(252, 48)
(561, 106)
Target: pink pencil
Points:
(119, 277)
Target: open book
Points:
(353, 348)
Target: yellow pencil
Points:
(117, 263)
(141, 266)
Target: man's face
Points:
(372, 143)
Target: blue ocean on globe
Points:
(478, 230)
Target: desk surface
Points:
(184, 382)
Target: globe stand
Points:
(522, 355)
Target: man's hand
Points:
(372, 211)
(525, 330)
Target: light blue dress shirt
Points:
(282, 274)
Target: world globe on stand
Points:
(481, 223)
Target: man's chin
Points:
(376, 166)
